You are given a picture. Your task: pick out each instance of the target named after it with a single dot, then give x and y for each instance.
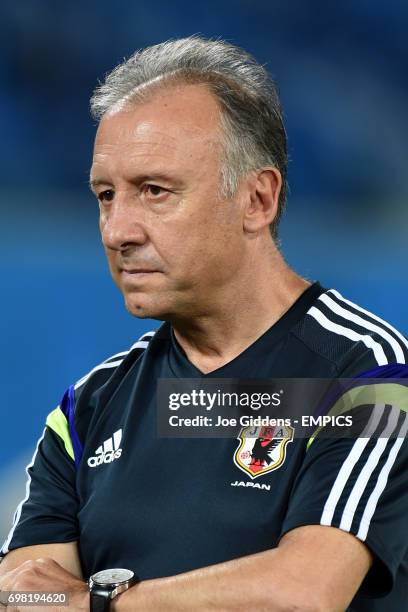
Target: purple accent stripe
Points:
(67, 406)
(389, 371)
(392, 370)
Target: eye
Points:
(106, 196)
(154, 190)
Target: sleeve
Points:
(48, 513)
(360, 485)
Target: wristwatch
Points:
(105, 585)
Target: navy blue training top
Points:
(102, 477)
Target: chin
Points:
(143, 310)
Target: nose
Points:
(121, 225)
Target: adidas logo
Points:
(108, 451)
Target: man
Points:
(189, 169)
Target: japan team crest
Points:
(262, 449)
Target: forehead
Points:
(177, 125)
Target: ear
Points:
(263, 199)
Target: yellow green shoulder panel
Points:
(381, 393)
(57, 421)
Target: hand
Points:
(45, 575)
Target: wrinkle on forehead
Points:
(127, 131)
(157, 145)
(148, 134)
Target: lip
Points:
(136, 275)
(137, 271)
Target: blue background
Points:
(341, 69)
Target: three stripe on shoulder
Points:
(372, 330)
(115, 360)
(381, 482)
(344, 318)
(366, 479)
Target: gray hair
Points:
(251, 115)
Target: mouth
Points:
(137, 271)
(132, 275)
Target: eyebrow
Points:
(141, 178)
(95, 182)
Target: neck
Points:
(240, 313)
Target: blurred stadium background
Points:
(342, 70)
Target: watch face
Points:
(112, 576)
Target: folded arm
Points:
(314, 568)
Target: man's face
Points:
(172, 243)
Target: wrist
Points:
(80, 600)
(126, 601)
(86, 602)
(106, 586)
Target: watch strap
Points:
(100, 600)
